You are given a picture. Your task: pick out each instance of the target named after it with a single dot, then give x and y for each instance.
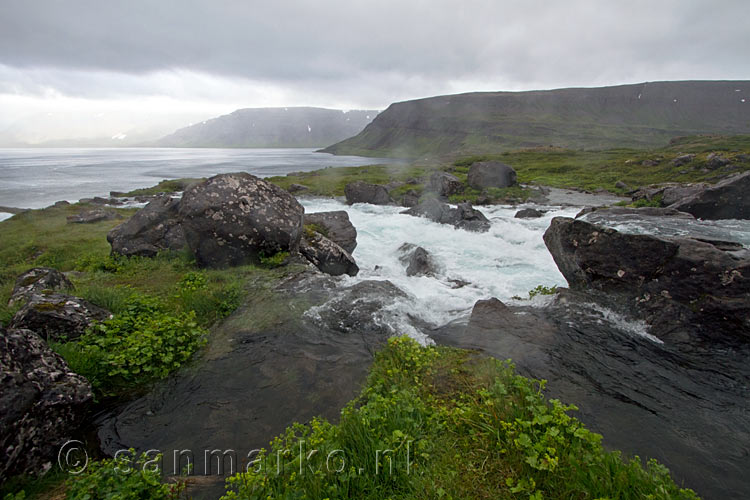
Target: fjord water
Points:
(36, 178)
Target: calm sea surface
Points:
(35, 178)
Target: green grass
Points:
(165, 186)
(445, 423)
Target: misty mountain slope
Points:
(272, 128)
(641, 115)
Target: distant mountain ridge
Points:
(639, 115)
(291, 127)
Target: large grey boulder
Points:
(38, 280)
(337, 227)
(464, 216)
(445, 184)
(418, 261)
(364, 192)
(58, 317)
(43, 403)
(153, 228)
(234, 219)
(491, 174)
(727, 199)
(327, 255)
(677, 285)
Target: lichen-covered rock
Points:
(487, 174)
(234, 219)
(337, 226)
(364, 192)
(445, 184)
(36, 281)
(151, 229)
(327, 255)
(58, 317)
(42, 400)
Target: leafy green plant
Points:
(542, 290)
(274, 260)
(141, 344)
(122, 479)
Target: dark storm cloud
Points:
(380, 47)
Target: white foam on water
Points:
(636, 328)
(508, 260)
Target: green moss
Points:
(438, 422)
(165, 186)
(312, 228)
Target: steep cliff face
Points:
(646, 114)
(272, 128)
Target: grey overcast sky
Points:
(132, 61)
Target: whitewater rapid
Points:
(505, 262)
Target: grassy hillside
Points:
(556, 167)
(634, 116)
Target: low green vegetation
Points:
(438, 422)
(542, 290)
(165, 186)
(122, 478)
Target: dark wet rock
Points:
(94, 215)
(417, 260)
(684, 288)
(529, 213)
(38, 281)
(57, 316)
(483, 199)
(445, 184)
(603, 215)
(364, 192)
(336, 227)
(327, 256)
(486, 174)
(683, 160)
(464, 216)
(410, 199)
(153, 228)
(673, 194)
(727, 199)
(297, 188)
(715, 160)
(233, 219)
(43, 403)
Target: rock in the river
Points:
(233, 219)
(336, 227)
(94, 215)
(680, 286)
(327, 255)
(153, 228)
(364, 192)
(37, 281)
(410, 199)
(486, 174)
(602, 215)
(464, 216)
(57, 316)
(528, 213)
(445, 184)
(42, 400)
(417, 260)
(727, 199)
